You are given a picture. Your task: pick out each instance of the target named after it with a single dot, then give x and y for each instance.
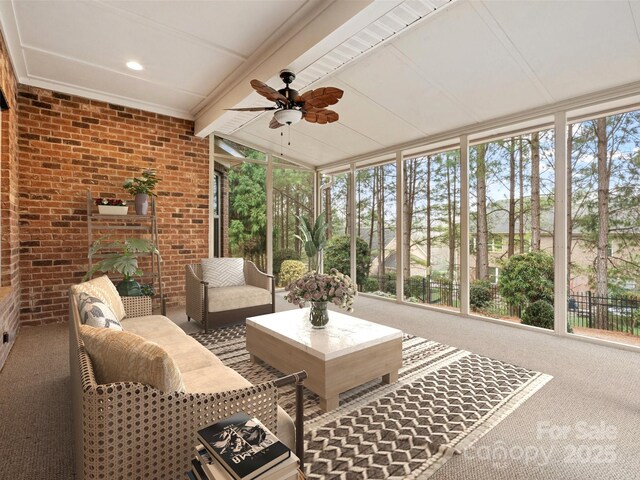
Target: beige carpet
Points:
(35, 407)
(591, 384)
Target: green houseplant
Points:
(141, 188)
(122, 257)
(313, 236)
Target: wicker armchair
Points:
(227, 305)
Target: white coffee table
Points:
(348, 352)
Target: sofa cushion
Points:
(186, 351)
(223, 272)
(104, 289)
(152, 327)
(95, 313)
(232, 298)
(127, 357)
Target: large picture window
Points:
(431, 246)
(604, 228)
(511, 193)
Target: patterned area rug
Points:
(444, 400)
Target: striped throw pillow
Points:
(223, 272)
(103, 289)
(95, 313)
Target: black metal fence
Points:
(421, 289)
(621, 313)
(614, 313)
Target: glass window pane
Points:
(292, 201)
(512, 188)
(604, 228)
(432, 225)
(248, 212)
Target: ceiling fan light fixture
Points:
(288, 116)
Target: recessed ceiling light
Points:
(134, 65)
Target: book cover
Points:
(283, 471)
(243, 446)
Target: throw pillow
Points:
(95, 313)
(127, 357)
(103, 289)
(223, 272)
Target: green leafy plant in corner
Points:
(314, 237)
(121, 257)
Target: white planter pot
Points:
(113, 209)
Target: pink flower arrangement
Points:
(333, 287)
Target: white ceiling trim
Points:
(38, 82)
(148, 22)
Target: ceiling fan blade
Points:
(269, 93)
(321, 97)
(252, 109)
(274, 123)
(321, 116)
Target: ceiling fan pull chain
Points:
(289, 132)
(281, 139)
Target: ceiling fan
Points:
(291, 107)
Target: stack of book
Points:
(241, 448)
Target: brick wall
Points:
(9, 238)
(68, 145)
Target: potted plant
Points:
(122, 257)
(313, 237)
(141, 188)
(111, 206)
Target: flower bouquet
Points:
(320, 288)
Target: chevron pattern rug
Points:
(444, 400)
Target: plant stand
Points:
(139, 226)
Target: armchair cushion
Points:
(232, 298)
(103, 289)
(127, 357)
(95, 313)
(223, 272)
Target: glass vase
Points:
(318, 314)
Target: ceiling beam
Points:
(306, 29)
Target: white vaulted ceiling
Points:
(410, 69)
(191, 50)
(465, 64)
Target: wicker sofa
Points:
(219, 306)
(129, 430)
